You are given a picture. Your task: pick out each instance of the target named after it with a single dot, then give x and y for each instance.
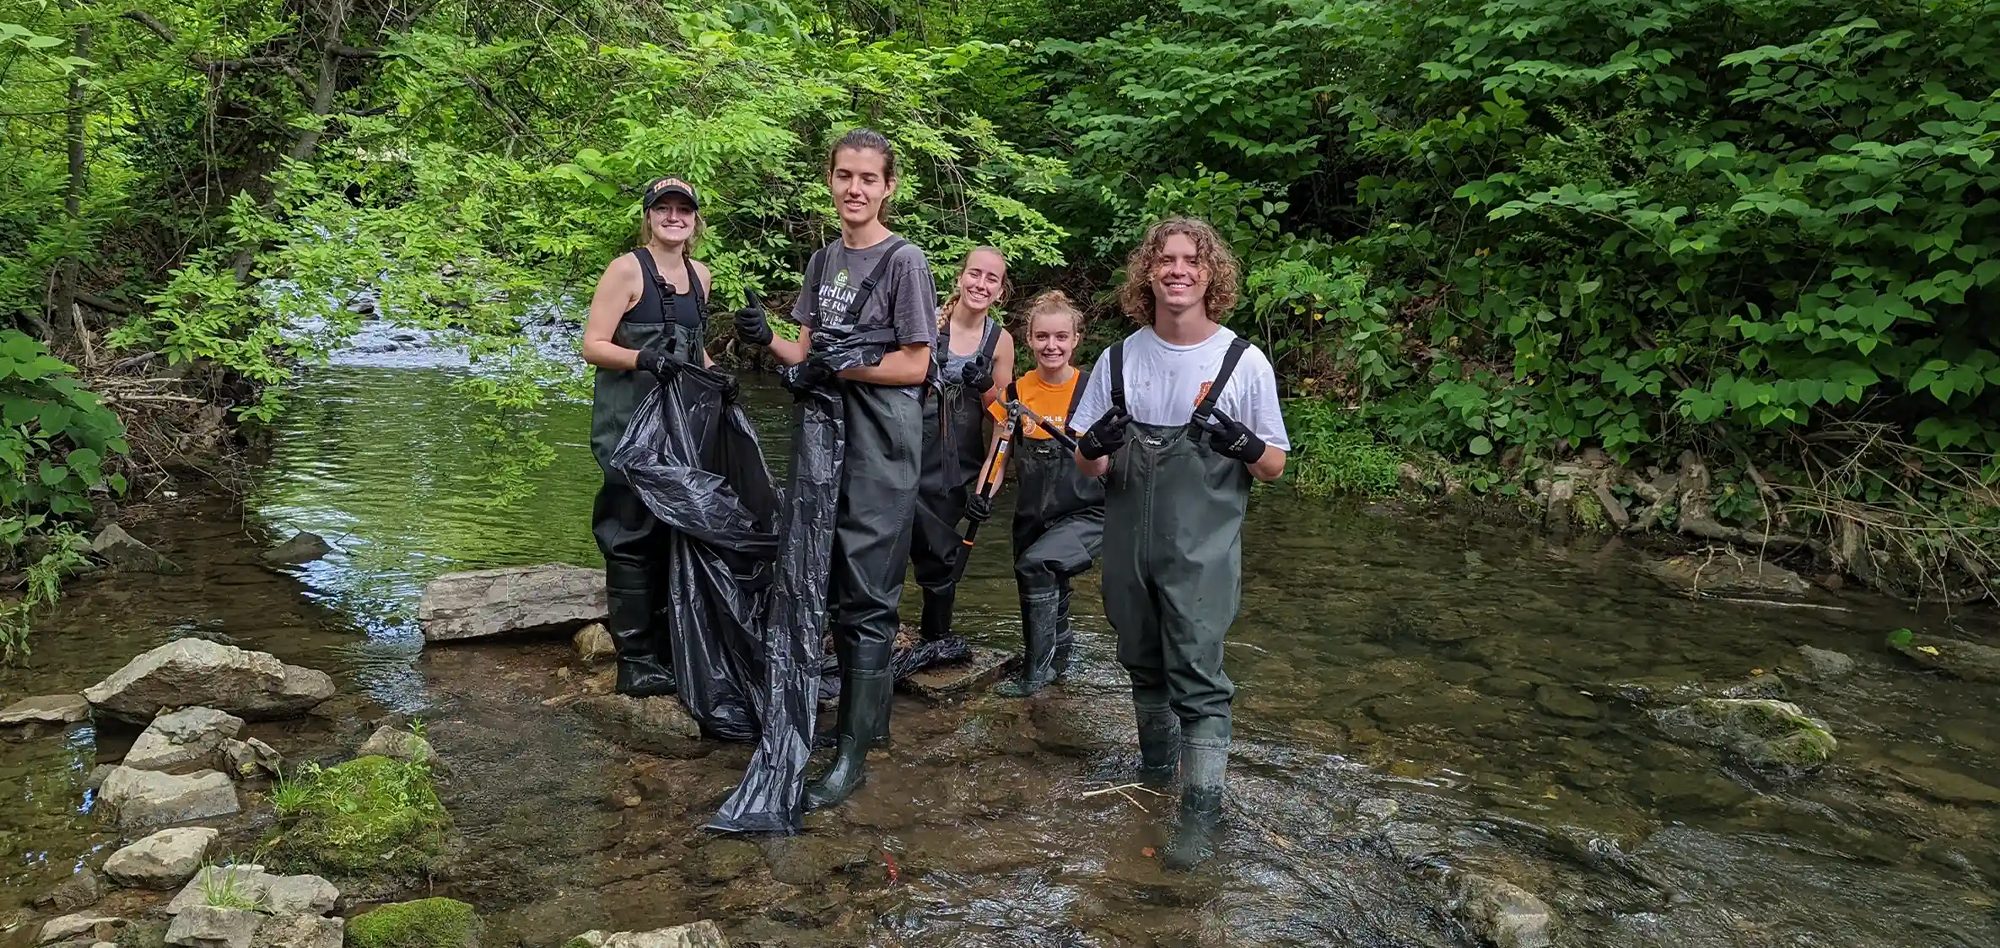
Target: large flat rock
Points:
(196, 672)
(513, 599)
(163, 860)
(47, 709)
(151, 798)
(943, 683)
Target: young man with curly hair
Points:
(1181, 415)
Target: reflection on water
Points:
(1419, 698)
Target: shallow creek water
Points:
(1419, 696)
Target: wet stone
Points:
(1824, 664)
(1504, 687)
(163, 860)
(943, 683)
(593, 645)
(1503, 914)
(126, 555)
(702, 934)
(809, 859)
(1566, 703)
(1379, 810)
(188, 736)
(723, 860)
(1760, 686)
(196, 672)
(150, 798)
(79, 891)
(303, 547)
(101, 927)
(396, 743)
(1947, 785)
(48, 709)
(1460, 673)
(1966, 660)
(508, 600)
(657, 725)
(209, 926)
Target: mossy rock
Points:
(369, 817)
(425, 923)
(1773, 737)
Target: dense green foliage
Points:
(371, 816)
(1497, 232)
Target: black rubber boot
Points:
(863, 709)
(1159, 740)
(937, 615)
(1065, 635)
(1038, 631)
(1203, 764)
(641, 671)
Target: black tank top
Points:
(659, 302)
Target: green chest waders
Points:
(1058, 530)
(632, 541)
(954, 450)
(1173, 579)
(871, 543)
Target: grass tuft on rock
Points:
(368, 816)
(425, 923)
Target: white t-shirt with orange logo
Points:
(1164, 382)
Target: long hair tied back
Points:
(1052, 303)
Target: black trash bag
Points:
(771, 797)
(693, 458)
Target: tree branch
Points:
(151, 22)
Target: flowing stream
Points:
(1420, 697)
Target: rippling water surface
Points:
(1419, 698)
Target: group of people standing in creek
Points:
(1145, 462)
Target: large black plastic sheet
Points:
(693, 457)
(770, 799)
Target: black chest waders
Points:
(1058, 530)
(1173, 580)
(630, 537)
(954, 416)
(878, 479)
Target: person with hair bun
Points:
(972, 362)
(870, 283)
(1058, 512)
(1182, 415)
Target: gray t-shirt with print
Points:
(906, 299)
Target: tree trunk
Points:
(61, 317)
(322, 104)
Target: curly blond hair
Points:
(1211, 253)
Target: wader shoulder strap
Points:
(1229, 360)
(1014, 393)
(868, 286)
(1116, 357)
(694, 287)
(990, 341)
(1075, 394)
(815, 270)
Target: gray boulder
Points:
(188, 736)
(151, 798)
(514, 599)
(702, 934)
(163, 860)
(101, 927)
(126, 555)
(396, 743)
(48, 709)
(197, 672)
(1503, 913)
(1825, 664)
(658, 725)
(213, 926)
(300, 931)
(302, 548)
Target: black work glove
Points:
(1231, 438)
(751, 325)
(803, 378)
(1105, 437)
(979, 373)
(979, 508)
(659, 359)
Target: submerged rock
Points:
(1503, 913)
(48, 709)
(723, 860)
(163, 860)
(659, 725)
(1825, 664)
(197, 672)
(126, 555)
(702, 934)
(942, 683)
(425, 923)
(248, 759)
(514, 599)
(187, 736)
(1765, 685)
(1950, 656)
(150, 798)
(1772, 737)
(1729, 574)
(397, 744)
(1567, 703)
(302, 548)
(79, 891)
